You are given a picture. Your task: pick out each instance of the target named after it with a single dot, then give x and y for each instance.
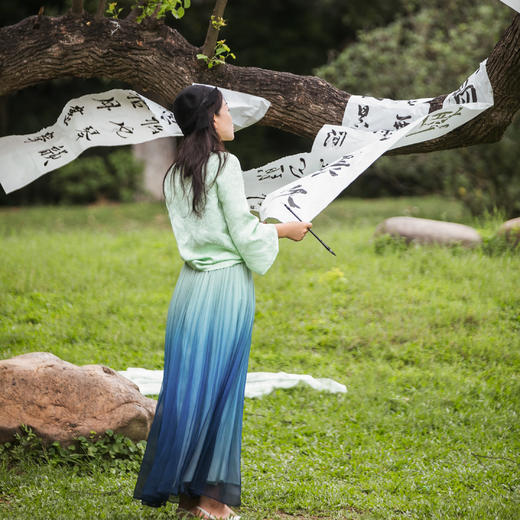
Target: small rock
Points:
(61, 401)
(426, 231)
(511, 230)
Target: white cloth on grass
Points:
(257, 384)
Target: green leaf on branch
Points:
(222, 52)
(113, 11)
(160, 8)
(217, 22)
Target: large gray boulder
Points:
(426, 231)
(511, 230)
(61, 401)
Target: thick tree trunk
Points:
(158, 62)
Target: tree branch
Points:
(503, 67)
(135, 12)
(101, 8)
(211, 36)
(77, 6)
(160, 62)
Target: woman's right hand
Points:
(293, 230)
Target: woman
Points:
(193, 449)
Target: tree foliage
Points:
(271, 39)
(421, 53)
(158, 61)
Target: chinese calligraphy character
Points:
(385, 133)
(137, 102)
(337, 138)
(167, 117)
(465, 94)
(153, 125)
(86, 133)
(269, 173)
(293, 191)
(72, 110)
(437, 120)
(335, 168)
(53, 153)
(122, 130)
(401, 123)
(362, 113)
(323, 163)
(108, 103)
(43, 138)
(299, 170)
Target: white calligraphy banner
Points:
(305, 182)
(116, 117)
(308, 182)
(513, 4)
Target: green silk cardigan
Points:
(227, 233)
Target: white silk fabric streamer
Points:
(513, 4)
(305, 182)
(308, 182)
(113, 118)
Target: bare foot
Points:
(213, 507)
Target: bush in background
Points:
(430, 51)
(113, 176)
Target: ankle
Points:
(214, 507)
(187, 501)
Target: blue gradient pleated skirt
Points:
(195, 440)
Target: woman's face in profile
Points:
(224, 123)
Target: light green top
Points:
(226, 233)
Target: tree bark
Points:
(77, 6)
(158, 62)
(100, 11)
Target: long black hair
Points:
(195, 148)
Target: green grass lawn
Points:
(426, 339)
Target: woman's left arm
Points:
(256, 242)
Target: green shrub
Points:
(387, 243)
(126, 175)
(116, 176)
(80, 181)
(429, 52)
(100, 451)
(498, 245)
(113, 175)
